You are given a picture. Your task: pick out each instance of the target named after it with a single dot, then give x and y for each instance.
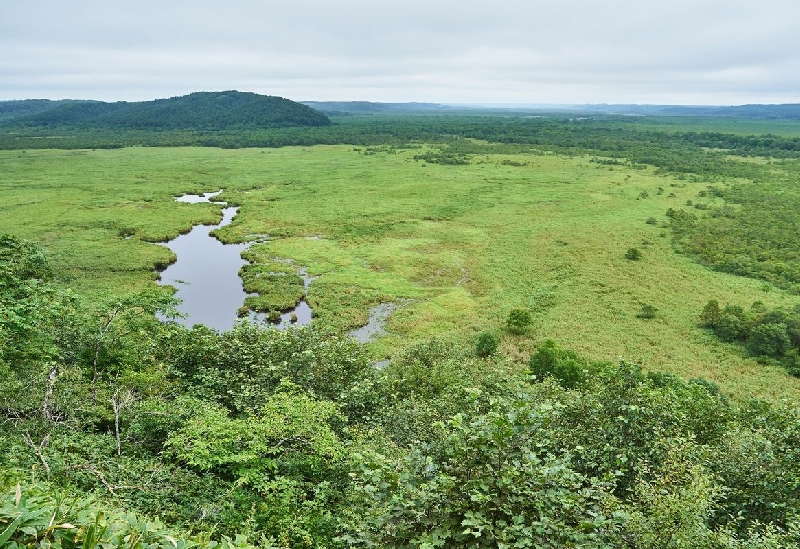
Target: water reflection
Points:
(374, 327)
(206, 275)
(197, 198)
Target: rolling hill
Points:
(199, 110)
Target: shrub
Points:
(651, 221)
(568, 367)
(711, 313)
(484, 482)
(769, 340)
(647, 311)
(518, 321)
(486, 344)
(730, 327)
(633, 254)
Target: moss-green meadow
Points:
(458, 246)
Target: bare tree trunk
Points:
(120, 402)
(116, 405)
(38, 450)
(47, 402)
(94, 366)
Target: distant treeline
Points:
(685, 152)
(768, 112)
(758, 112)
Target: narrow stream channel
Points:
(301, 315)
(373, 329)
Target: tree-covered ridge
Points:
(199, 110)
(29, 107)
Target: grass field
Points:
(459, 246)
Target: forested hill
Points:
(26, 107)
(200, 110)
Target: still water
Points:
(206, 275)
(374, 327)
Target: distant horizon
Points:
(488, 105)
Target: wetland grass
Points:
(462, 245)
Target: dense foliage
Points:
(292, 439)
(28, 107)
(35, 516)
(754, 233)
(769, 335)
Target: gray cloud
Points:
(568, 51)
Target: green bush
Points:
(486, 344)
(647, 311)
(730, 327)
(484, 483)
(518, 321)
(567, 367)
(769, 340)
(241, 368)
(711, 313)
(633, 254)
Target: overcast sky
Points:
(501, 51)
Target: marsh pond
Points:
(206, 278)
(206, 275)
